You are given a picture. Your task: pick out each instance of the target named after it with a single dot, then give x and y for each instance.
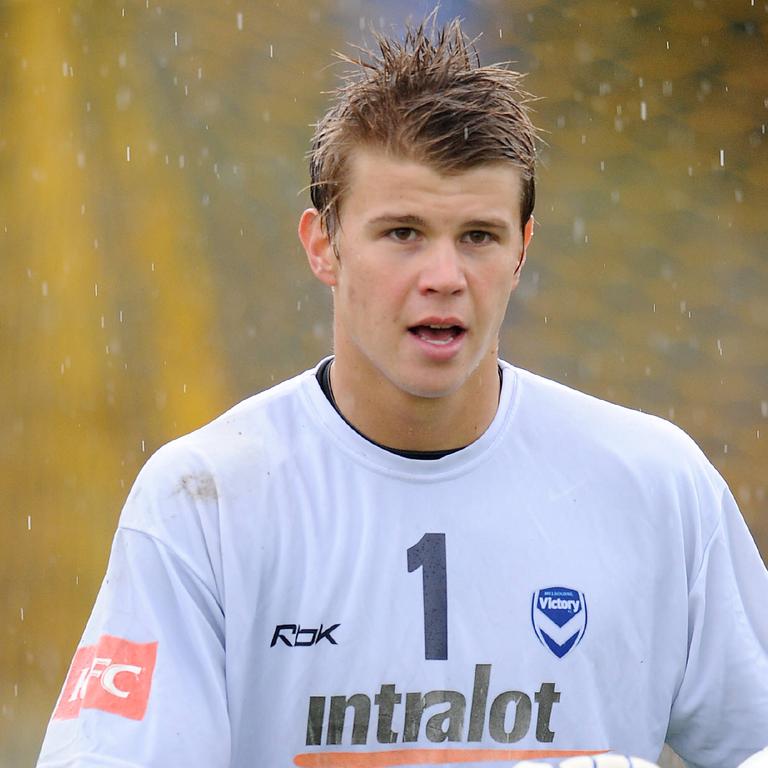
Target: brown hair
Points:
(426, 99)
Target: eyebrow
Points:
(417, 221)
(486, 224)
(393, 218)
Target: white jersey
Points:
(282, 592)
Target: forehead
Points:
(380, 183)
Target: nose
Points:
(442, 270)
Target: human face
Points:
(422, 270)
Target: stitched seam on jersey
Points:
(432, 473)
(710, 540)
(672, 733)
(725, 491)
(182, 560)
(203, 459)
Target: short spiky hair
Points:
(427, 99)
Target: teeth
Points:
(438, 342)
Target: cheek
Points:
(494, 298)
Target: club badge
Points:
(559, 618)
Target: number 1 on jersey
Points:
(429, 554)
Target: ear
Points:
(318, 247)
(527, 237)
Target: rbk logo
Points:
(114, 675)
(559, 618)
(294, 635)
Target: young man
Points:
(417, 553)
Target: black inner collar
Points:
(323, 376)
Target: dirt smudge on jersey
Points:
(199, 486)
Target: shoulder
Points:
(190, 474)
(264, 419)
(553, 404)
(552, 413)
(642, 468)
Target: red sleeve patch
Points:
(115, 675)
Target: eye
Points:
(479, 237)
(403, 234)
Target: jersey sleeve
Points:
(720, 712)
(146, 686)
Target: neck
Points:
(392, 417)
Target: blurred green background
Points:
(151, 174)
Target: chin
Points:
(431, 387)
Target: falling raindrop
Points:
(579, 230)
(240, 20)
(643, 111)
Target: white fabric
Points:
(278, 513)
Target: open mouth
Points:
(438, 335)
